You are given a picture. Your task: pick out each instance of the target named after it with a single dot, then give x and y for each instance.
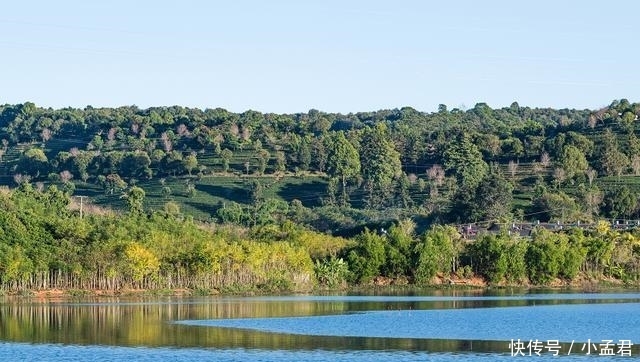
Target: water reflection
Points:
(149, 322)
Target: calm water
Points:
(443, 326)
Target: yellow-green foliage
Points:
(47, 247)
(140, 261)
(320, 245)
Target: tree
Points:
(280, 161)
(172, 208)
(114, 183)
(368, 256)
(319, 154)
(627, 120)
(399, 249)
(191, 190)
(135, 200)
(580, 141)
(620, 202)
(68, 187)
(437, 253)
(493, 198)
(489, 256)
(633, 146)
(545, 256)
(232, 213)
(304, 153)
(226, 155)
(591, 197)
(591, 175)
(545, 159)
(33, 162)
(514, 147)
(173, 163)
(343, 161)
(81, 161)
(136, 165)
(612, 161)
(464, 160)
(332, 190)
(403, 185)
(263, 160)
(489, 144)
(190, 163)
(573, 162)
(436, 174)
(140, 262)
(257, 192)
(558, 206)
(380, 162)
(559, 176)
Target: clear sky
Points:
(335, 56)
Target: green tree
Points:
(281, 165)
(257, 192)
(380, 163)
(493, 198)
(437, 253)
(464, 160)
(332, 190)
(304, 153)
(331, 272)
(580, 141)
(399, 249)
(81, 162)
(633, 146)
(135, 200)
(33, 162)
(612, 161)
(620, 202)
(136, 165)
(263, 160)
(173, 163)
(190, 163)
(513, 146)
(319, 152)
(114, 183)
(573, 161)
(343, 161)
(232, 213)
(368, 256)
(226, 156)
(550, 206)
(545, 256)
(498, 257)
(403, 185)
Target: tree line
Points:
(45, 243)
(450, 165)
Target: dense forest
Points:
(171, 197)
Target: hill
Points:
(335, 172)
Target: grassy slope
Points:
(217, 188)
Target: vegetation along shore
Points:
(209, 201)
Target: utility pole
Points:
(81, 199)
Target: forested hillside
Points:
(273, 177)
(249, 168)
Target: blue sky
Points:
(335, 56)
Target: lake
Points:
(443, 325)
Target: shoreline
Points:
(444, 289)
